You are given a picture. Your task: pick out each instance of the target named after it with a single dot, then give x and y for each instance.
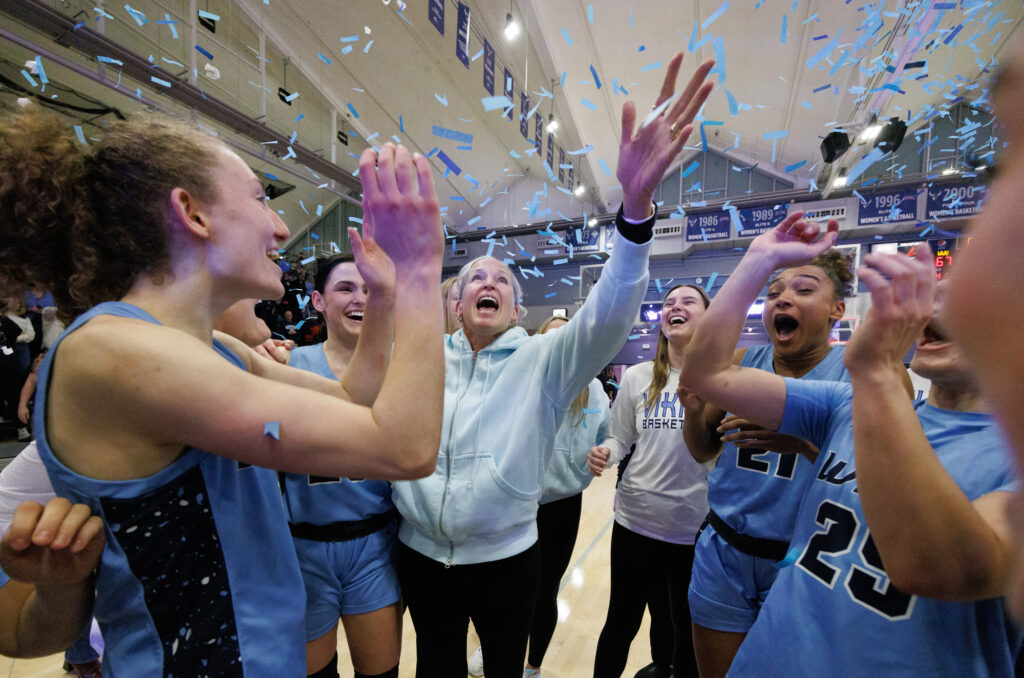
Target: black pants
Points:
(558, 522)
(636, 563)
(498, 596)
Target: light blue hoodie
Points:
(502, 406)
(566, 474)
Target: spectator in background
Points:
(37, 298)
(16, 358)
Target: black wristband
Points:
(638, 233)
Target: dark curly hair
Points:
(837, 267)
(87, 221)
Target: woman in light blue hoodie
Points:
(469, 531)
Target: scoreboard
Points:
(943, 249)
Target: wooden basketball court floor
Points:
(582, 602)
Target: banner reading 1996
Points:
(891, 207)
(488, 67)
(435, 10)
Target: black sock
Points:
(331, 670)
(393, 673)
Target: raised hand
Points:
(902, 304)
(597, 459)
(402, 206)
(372, 262)
(58, 544)
(744, 433)
(645, 157)
(795, 241)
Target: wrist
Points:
(637, 209)
(877, 375)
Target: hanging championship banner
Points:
(538, 131)
(462, 37)
(561, 169)
(572, 171)
(435, 11)
(891, 207)
(551, 153)
(524, 121)
(758, 220)
(957, 200)
(708, 227)
(489, 67)
(508, 92)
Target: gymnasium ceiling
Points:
(793, 71)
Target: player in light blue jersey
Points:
(919, 487)
(753, 490)
(159, 427)
(344, 529)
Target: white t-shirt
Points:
(24, 479)
(664, 491)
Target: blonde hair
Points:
(659, 375)
(583, 399)
(446, 293)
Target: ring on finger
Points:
(673, 131)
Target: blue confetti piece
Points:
(568, 40)
(593, 72)
(442, 99)
(308, 260)
(795, 166)
(353, 110)
(350, 38)
(657, 283)
(823, 87)
(559, 262)
(604, 167)
(324, 59)
(443, 157)
(29, 77)
(790, 558)
(109, 60)
(39, 68)
(717, 13)
(454, 135)
(139, 17)
(590, 14)
(711, 281)
(734, 108)
(208, 15)
(159, 81)
(719, 46)
(366, 50)
(580, 151)
(588, 103)
(81, 135)
(785, 29)
(204, 52)
(550, 294)
(494, 103)
(273, 428)
(691, 168)
(170, 23)
(651, 67)
(347, 49)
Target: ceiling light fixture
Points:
(552, 123)
(592, 222)
(839, 181)
(834, 145)
(578, 191)
(511, 27)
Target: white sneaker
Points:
(476, 663)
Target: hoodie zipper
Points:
(448, 465)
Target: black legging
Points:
(498, 596)
(558, 522)
(636, 562)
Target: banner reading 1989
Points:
(758, 220)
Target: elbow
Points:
(954, 581)
(419, 461)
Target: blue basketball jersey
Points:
(199, 576)
(756, 492)
(834, 612)
(320, 500)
